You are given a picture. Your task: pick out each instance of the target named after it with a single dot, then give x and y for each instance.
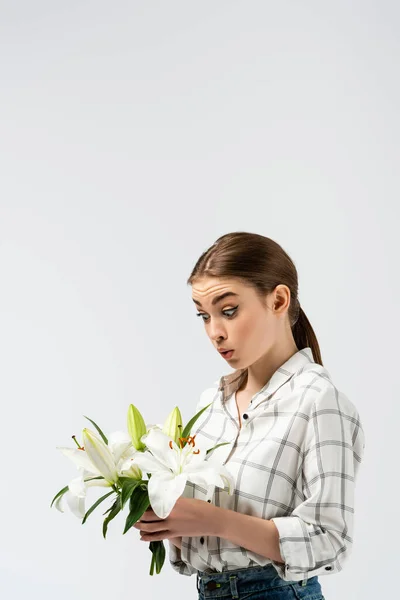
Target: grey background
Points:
(133, 134)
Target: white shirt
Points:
(294, 460)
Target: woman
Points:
(295, 440)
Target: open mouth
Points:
(227, 354)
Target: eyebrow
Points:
(217, 298)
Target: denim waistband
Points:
(257, 577)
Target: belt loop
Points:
(304, 582)
(234, 592)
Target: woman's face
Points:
(240, 322)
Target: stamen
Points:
(190, 440)
(77, 443)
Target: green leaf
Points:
(127, 489)
(138, 503)
(91, 509)
(188, 428)
(116, 507)
(153, 562)
(98, 429)
(158, 558)
(60, 493)
(217, 446)
(122, 479)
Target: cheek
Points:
(246, 330)
(253, 331)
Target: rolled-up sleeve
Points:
(317, 537)
(175, 559)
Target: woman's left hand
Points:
(189, 517)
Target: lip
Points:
(224, 349)
(228, 354)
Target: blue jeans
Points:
(255, 583)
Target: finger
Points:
(155, 537)
(152, 527)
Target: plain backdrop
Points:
(132, 135)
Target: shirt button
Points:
(208, 500)
(328, 568)
(245, 416)
(202, 540)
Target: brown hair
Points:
(261, 263)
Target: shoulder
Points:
(323, 392)
(331, 413)
(321, 398)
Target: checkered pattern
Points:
(295, 460)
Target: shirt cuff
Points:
(297, 550)
(175, 559)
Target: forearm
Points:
(253, 533)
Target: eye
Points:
(229, 310)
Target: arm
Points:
(316, 538)
(254, 533)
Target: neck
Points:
(261, 371)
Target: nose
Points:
(216, 331)
(217, 338)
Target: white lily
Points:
(171, 467)
(75, 496)
(107, 462)
(100, 455)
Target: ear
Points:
(282, 297)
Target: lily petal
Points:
(159, 445)
(128, 454)
(76, 504)
(205, 477)
(100, 455)
(164, 489)
(118, 443)
(147, 462)
(77, 487)
(80, 458)
(194, 454)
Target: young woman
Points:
(295, 441)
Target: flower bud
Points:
(173, 425)
(136, 427)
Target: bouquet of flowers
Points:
(170, 457)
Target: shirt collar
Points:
(230, 383)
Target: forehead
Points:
(210, 289)
(207, 285)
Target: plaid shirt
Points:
(294, 460)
